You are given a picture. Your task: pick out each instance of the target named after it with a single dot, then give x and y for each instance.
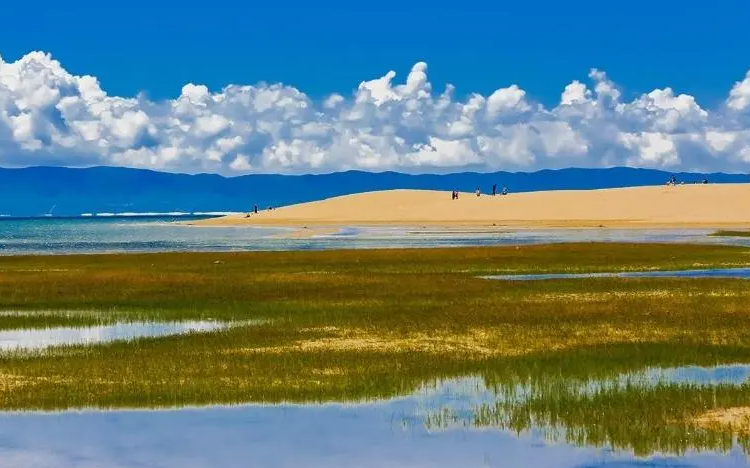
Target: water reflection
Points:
(643, 413)
(741, 273)
(449, 423)
(42, 338)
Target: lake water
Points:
(39, 338)
(395, 433)
(158, 234)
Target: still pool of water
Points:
(737, 273)
(39, 338)
(399, 432)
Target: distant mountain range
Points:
(39, 191)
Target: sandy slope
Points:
(725, 205)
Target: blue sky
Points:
(321, 48)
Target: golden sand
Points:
(681, 206)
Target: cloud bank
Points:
(51, 117)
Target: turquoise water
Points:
(164, 234)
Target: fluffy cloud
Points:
(49, 116)
(739, 97)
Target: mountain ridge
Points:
(40, 190)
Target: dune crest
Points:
(720, 205)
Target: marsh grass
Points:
(32, 319)
(360, 325)
(643, 419)
(596, 397)
(730, 233)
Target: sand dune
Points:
(724, 205)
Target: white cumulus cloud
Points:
(739, 97)
(49, 116)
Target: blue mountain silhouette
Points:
(35, 191)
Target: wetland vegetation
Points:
(361, 325)
(731, 233)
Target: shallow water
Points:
(321, 437)
(739, 273)
(161, 234)
(391, 433)
(45, 337)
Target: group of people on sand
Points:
(494, 190)
(673, 181)
(454, 194)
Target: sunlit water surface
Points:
(39, 338)
(157, 234)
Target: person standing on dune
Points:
(494, 189)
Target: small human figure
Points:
(505, 190)
(494, 189)
(255, 209)
(479, 192)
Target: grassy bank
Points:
(354, 325)
(730, 233)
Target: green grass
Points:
(553, 393)
(643, 419)
(11, 320)
(359, 325)
(731, 233)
